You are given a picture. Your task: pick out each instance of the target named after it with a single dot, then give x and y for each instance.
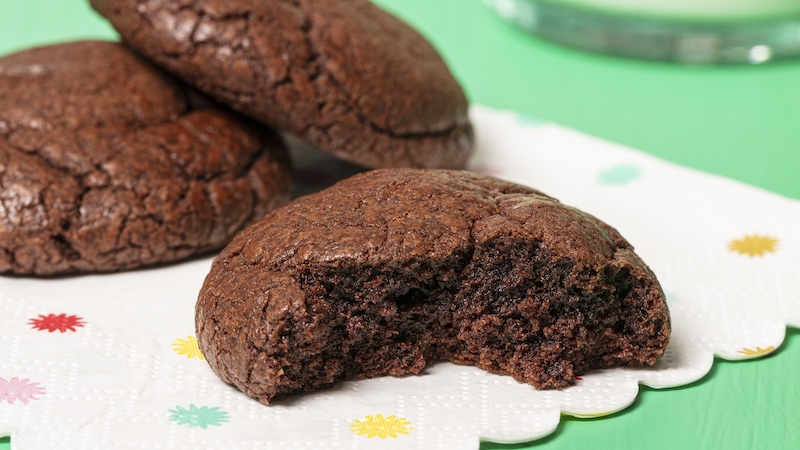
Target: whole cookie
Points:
(105, 166)
(342, 75)
(390, 270)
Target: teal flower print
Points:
(619, 175)
(198, 417)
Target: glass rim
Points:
(653, 38)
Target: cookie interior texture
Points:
(390, 270)
(104, 164)
(343, 75)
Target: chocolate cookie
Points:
(342, 75)
(105, 166)
(392, 269)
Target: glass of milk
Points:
(688, 31)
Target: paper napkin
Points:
(111, 361)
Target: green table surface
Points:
(738, 121)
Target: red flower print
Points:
(52, 322)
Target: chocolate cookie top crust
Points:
(342, 75)
(390, 270)
(105, 166)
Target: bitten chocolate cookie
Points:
(105, 166)
(343, 75)
(390, 270)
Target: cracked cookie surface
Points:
(342, 75)
(105, 165)
(392, 269)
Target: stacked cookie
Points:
(108, 163)
(342, 75)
